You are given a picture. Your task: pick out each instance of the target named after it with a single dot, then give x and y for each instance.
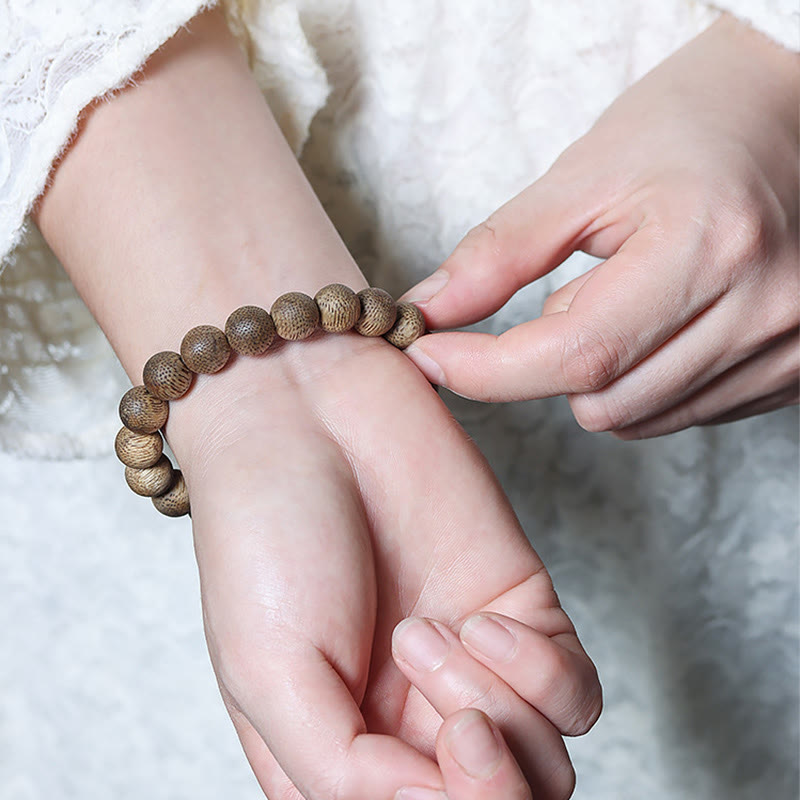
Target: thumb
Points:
(524, 239)
(623, 310)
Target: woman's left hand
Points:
(688, 187)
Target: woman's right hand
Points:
(333, 496)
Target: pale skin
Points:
(688, 188)
(333, 495)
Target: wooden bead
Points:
(138, 450)
(205, 349)
(250, 330)
(151, 481)
(142, 411)
(175, 501)
(166, 376)
(408, 327)
(339, 308)
(378, 312)
(295, 315)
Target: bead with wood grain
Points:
(408, 327)
(138, 450)
(295, 315)
(250, 331)
(339, 308)
(205, 349)
(166, 376)
(141, 411)
(175, 501)
(151, 481)
(378, 312)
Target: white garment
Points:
(676, 558)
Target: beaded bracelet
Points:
(249, 331)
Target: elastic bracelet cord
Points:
(249, 331)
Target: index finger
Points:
(628, 307)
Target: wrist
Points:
(180, 201)
(291, 379)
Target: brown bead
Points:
(408, 327)
(378, 312)
(175, 501)
(205, 349)
(250, 330)
(295, 315)
(151, 481)
(138, 450)
(339, 308)
(166, 376)
(142, 411)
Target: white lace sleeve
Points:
(778, 19)
(56, 58)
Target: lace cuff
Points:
(55, 63)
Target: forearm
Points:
(179, 201)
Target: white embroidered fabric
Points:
(417, 119)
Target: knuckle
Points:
(485, 239)
(743, 227)
(596, 413)
(745, 237)
(586, 713)
(551, 672)
(591, 360)
(574, 690)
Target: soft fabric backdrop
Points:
(677, 558)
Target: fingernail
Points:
(419, 793)
(473, 744)
(489, 637)
(420, 644)
(426, 289)
(426, 364)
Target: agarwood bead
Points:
(408, 327)
(166, 376)
(339, 308)
(142, 411)
(175, 501)
(378, 312)
(205, 349)
(151, 481)
(295, 315)
(138, 450)
(250, 330)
